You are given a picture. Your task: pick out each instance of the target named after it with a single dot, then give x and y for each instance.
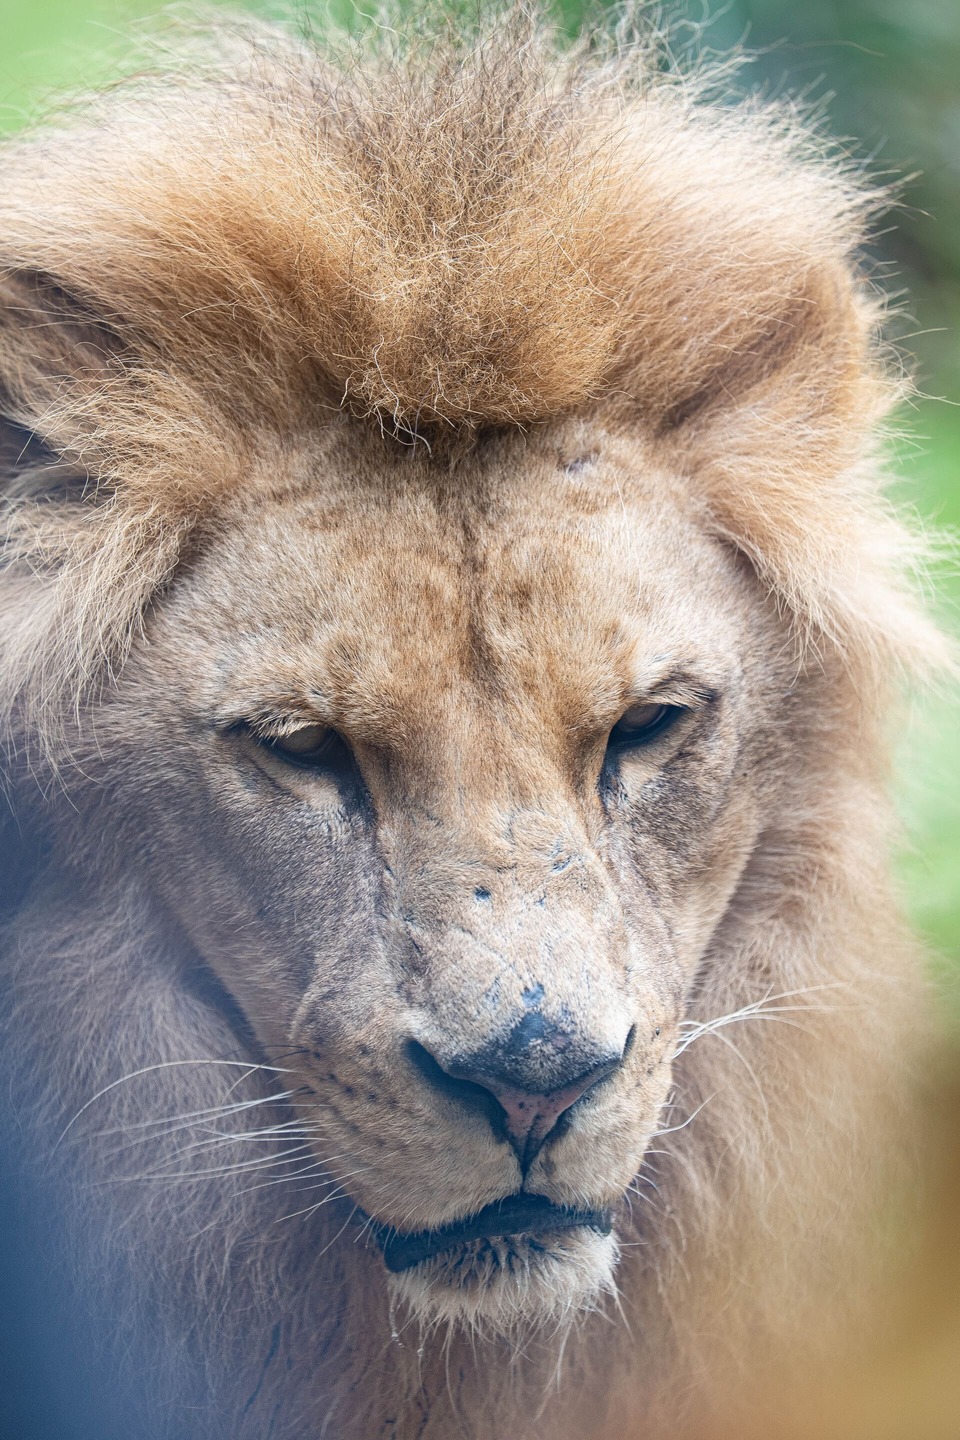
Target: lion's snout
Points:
(543, 1003)
(525, 1082)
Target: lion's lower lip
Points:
(516, 1215)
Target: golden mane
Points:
(465, 235)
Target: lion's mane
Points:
(444, 238)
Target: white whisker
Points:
(673, 1129)
(310, 1210)
(312, 1168)
(766, 1008)
(287, 1130)
(244, 1165)
(214, 1112)
(152, 1069)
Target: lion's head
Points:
(450, 589)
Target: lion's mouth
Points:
(515, 1215)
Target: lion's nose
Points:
(523, 1088)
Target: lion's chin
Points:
(498, 1286)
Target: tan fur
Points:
(457, 399)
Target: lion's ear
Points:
(20, 450)
(782, 435)
(808, 358)
(31, 470)
(51, 348)
(782, 439)
(76, 568)
(108, 460)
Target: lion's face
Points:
(449, 784)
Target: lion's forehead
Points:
(511, 582)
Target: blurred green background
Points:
(887, 76)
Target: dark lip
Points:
(515, 1215)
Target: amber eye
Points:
(310, 745)
(643, 721)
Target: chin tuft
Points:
(502, 1287)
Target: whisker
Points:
(311, 1209)
(284, 1053)
(339, 1232)
(287, 1130)
(725, 1040)
(214, 1112)
(367, 1225)
(673, 1129)
(152, 1069)
(766, 1008)
(320, 1184)
(244, 1165)
(313, 1167)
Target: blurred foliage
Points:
(886, 77)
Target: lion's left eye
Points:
(643, 721)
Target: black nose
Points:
(523, 1085)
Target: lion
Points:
(454, 984)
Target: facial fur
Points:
(343, 578)
(488, 859)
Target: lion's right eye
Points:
(310, 745)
